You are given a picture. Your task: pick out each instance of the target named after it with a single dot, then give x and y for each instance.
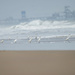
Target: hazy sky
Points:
(33, 8)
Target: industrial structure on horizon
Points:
(66, 15)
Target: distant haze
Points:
(33, 8)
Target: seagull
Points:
(15, 40)
(2, 41)
(68, 37)
(38, 39)
(30, 39)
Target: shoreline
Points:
(37, 50)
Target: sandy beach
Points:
(37, 62)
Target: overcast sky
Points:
(33, 8)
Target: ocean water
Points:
(38, 35)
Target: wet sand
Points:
(37, 62)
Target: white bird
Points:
(68, 37)
(2, 41)
(15, 40)
(38, 39)
(30, 39)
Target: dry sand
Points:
(37, 62)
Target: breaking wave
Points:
(38, 25)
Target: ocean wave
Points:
(38, 28)
(39, 25)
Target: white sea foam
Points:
(38, 25)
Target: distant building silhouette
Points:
(67, 14)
